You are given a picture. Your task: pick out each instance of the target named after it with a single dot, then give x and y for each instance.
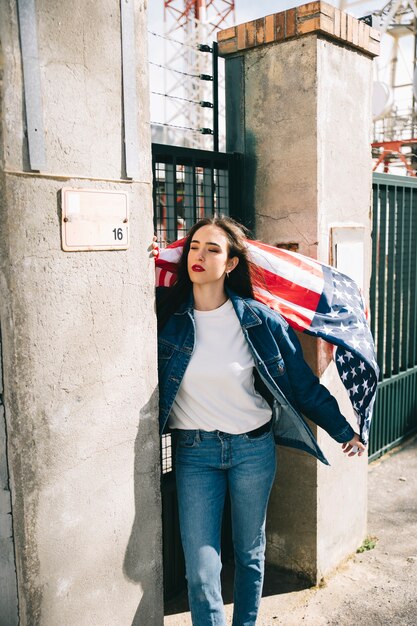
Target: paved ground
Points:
(375, 588)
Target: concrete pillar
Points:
(298, 92)
(78, 330)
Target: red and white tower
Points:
(192, 23)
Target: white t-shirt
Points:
(217, 391)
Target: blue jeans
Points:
(206, 464)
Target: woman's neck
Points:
(209, 297)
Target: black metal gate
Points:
(188, 184)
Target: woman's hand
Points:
(354, 446)
(153, 248)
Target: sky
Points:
(247, 10)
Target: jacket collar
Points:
(244, 311)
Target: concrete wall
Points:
(8, 583)
(344, 197)
(302, 118)
(281, 141)
(78, 331)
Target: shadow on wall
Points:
(143, 558)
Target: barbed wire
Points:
(172, 70)
(166, 95)
(202, 131)
(181, 43)
(194, 130)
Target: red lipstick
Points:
(198, 268)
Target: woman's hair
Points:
(239, 279)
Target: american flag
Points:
(315, 299)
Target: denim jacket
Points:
(281, 374)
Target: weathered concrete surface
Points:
(8, 583)
(376, 587)
(79, 335)
(343, 135)
(302, 117)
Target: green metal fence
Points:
(394, 309)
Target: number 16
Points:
(118, 233)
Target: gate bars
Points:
(189, 184)
(393, 303)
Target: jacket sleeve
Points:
(313, 399)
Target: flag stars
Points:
(334, 314)
(325, 330)
(353, 390)
(340, 359)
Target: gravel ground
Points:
(377, 587)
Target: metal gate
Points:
(187, 185)
(190, 184)
(394, 309)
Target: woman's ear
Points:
(231, 263)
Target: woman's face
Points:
(208, 258)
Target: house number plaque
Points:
(94, 220)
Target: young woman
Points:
(232, 377)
